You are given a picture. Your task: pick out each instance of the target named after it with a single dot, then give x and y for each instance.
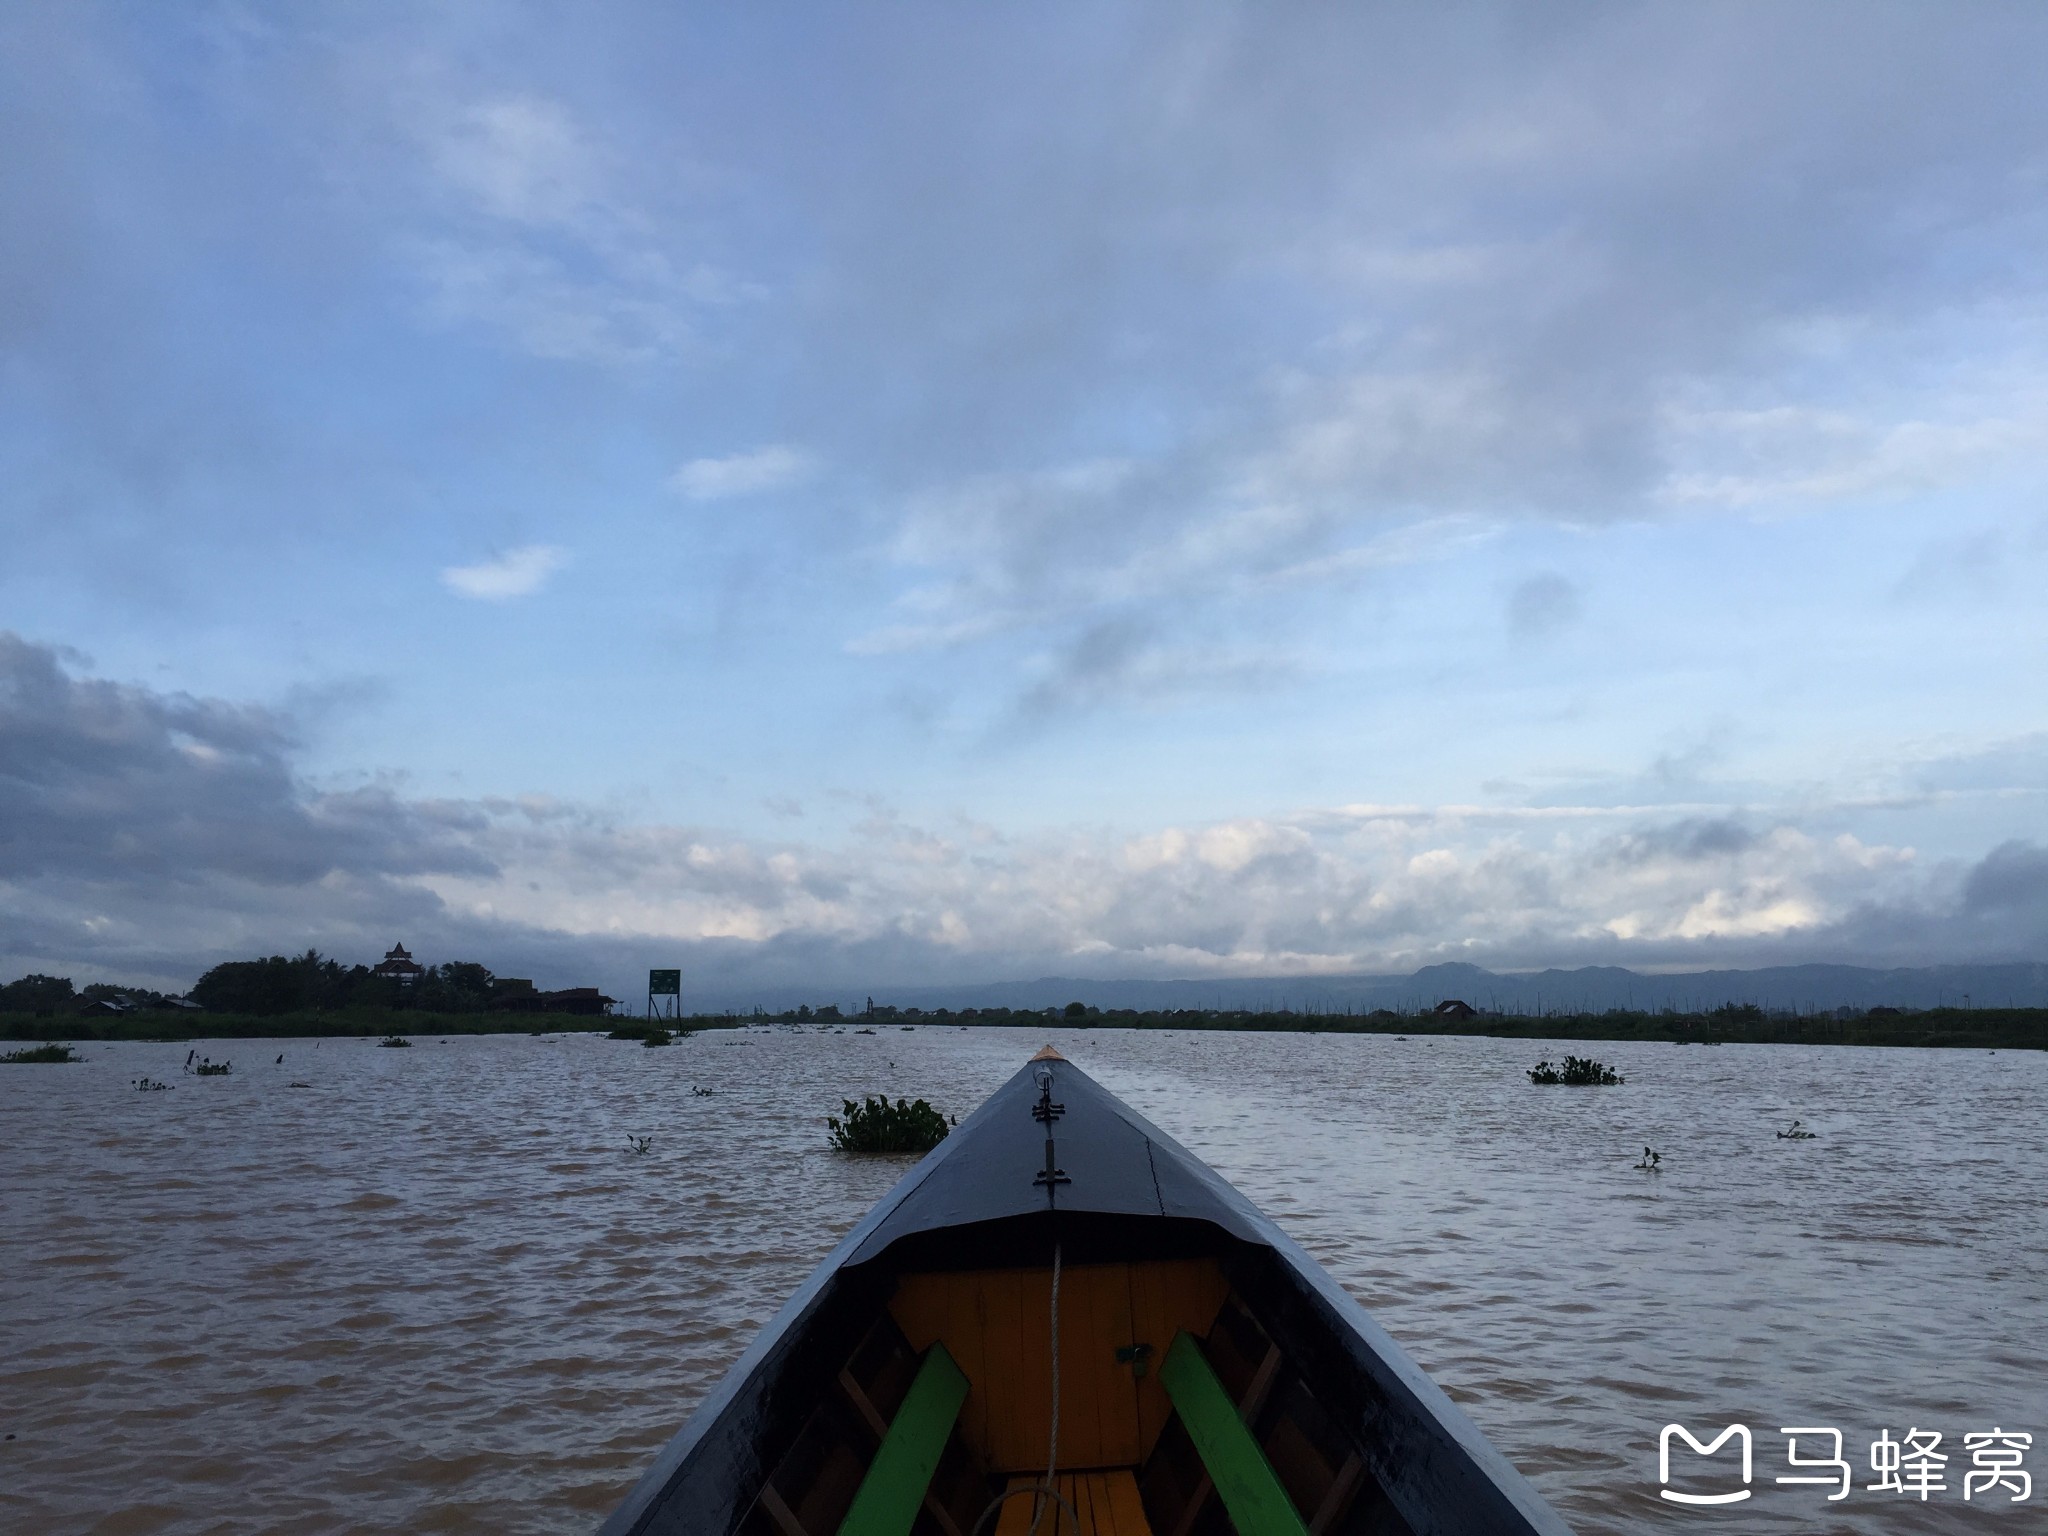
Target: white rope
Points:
(1052, 1451)
(1037, 1491)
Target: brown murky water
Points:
(435, 1291)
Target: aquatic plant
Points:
(150, 1085)
(1797, 1133)
(395, 1043)
(1653, 1161)
(1577, 1072)
(41, 1055)
(640, 1144)
(699, 1093)
(645, 1031)
(876, 1126)
(206, 1066)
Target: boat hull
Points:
(1149, 1247)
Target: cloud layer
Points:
(142, 833)
(1116, 440)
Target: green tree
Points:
(279, 984)
(36, 994)
(460, 986)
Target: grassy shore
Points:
(156, 1024)
(1967, 1028)
(1970, 1028)
(2017, 1028)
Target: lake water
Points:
(433, 1290)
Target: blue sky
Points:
(869, 496)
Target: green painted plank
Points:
(1244, 1479)
(893, 1490)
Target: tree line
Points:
(317, 983)
(278, 984)
(35, 993)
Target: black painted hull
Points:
(1130, 1193)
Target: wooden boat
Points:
(1061, 1288)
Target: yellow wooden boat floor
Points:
(1107, 1503)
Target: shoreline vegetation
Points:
(1965, 1028)
(311, 995)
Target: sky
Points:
(840, 497)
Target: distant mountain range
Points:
(1593, 989)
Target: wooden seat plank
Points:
(1107, 1503)
(893, 1490)
(1244, 1479)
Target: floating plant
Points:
(1652, 1161)
(1797, 1133)
(1577, 1072)
(395, 1043)
(876, 1126)
(151, 1085)
(40, 1055)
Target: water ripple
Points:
(437, 1292)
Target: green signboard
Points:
(664, 983)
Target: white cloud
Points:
(773, 468)
(550, 311)
(520, 158)
(155, 856)
(531, 223)
(1313, 892)
(1806, 453)
(516, 573)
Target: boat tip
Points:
(1048, 1054)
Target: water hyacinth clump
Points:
(649, 1032)
(1577, 1072)
(40, 1056)
(876, 1126)
(395, 1043)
